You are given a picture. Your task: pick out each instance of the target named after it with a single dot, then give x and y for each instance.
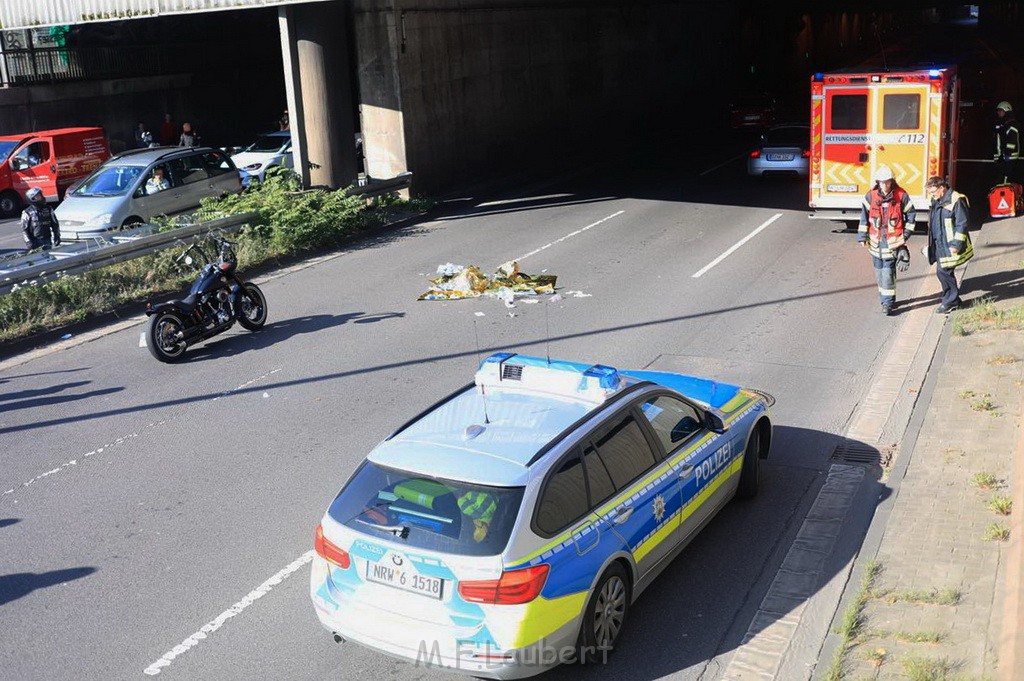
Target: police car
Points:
(509, 528)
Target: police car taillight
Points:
(512, 588)
(329, 552)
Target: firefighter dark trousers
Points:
(950, 291)
(885, 275)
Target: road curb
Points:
(1011, 637)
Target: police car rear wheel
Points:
(750, 475)
(605, 615)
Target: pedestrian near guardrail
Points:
(39, 223)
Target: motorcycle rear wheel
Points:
(162, 337)
(253, 312)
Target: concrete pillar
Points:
(315, 44)
(379, 37)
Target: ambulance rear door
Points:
(903, 123)
(845, 161)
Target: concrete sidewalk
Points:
(945, 601)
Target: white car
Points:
(268, 151)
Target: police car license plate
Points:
(780, 157)
(401, 577)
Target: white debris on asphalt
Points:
(65, 336)
(579, 294)
(479, 314)
(142, 339)
(265, 395)
(448, 269)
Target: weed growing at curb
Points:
(877, 656)
(853, 620)
(1002, 359)
(984, 403)
(985, 480)
(918, 636)
(929, 669)
(984, 314)
(997, 532)
(1001, 504)
(948, 596)
(967, 394)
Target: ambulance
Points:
(49, 159)
(860, 120)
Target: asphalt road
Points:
(147, 500)
(11, 239)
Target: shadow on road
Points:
(19, 584)
(275, 332)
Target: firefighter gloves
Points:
(902, 259)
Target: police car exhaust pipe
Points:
(338, 638)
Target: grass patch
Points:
(985, 404)
(876, 656)
(1001, 359)
(946, 596)
(853, 620)
(967, 394)
(983, 314)
(289, 223)
(918, 636)
(929, 669)
(984, 480)
(1001, 504)
(997, 532)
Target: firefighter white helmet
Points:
(35, 195)
(883, 173)
(1004, 106)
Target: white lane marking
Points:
(723, 163)
(736, 245)
(125, 438)
(570, 235)
(522, 199)
(218, 621)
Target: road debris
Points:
(455, 282)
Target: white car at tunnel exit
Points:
(509, 527)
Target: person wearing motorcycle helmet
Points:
(1007, 141)
(886, 221)
(39, 223)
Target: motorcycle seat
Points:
(187, 303)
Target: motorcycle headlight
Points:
(253, 166)
(102, 220)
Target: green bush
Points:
(290, 222)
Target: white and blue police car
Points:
(509, 527)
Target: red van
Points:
(50, 159)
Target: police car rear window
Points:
(428, 513)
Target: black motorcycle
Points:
(218, 297)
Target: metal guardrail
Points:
(29, 270)
(110, 248)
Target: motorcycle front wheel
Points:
(253, 312)
(164, 337)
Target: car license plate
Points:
(780, 157)
(401, 577)
(842, 188)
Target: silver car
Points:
(784, 149)
(136, 186)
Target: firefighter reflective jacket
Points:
(1007, 139)
(890, 215)
(947, 228)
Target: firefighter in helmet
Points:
(886, 220)
(1007, 142)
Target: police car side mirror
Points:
(714, 422)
